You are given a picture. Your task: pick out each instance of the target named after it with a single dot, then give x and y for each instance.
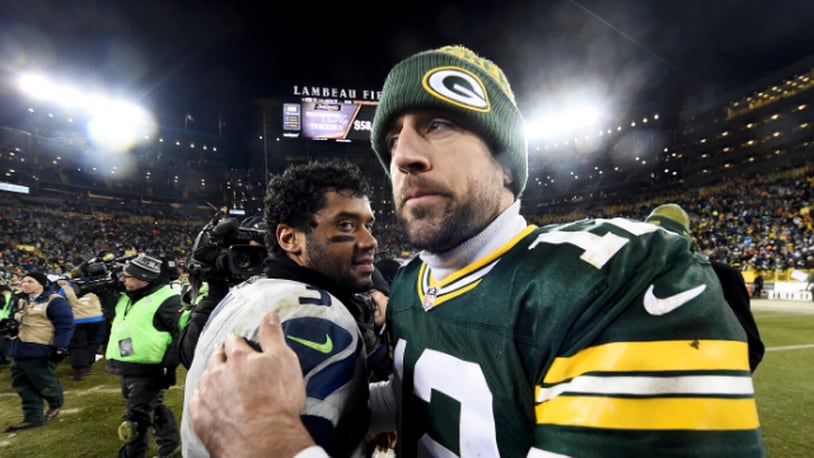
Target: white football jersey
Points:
(325, 337)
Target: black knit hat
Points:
(454, 79)
(40, 277)
(144, 267)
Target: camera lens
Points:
(241, 260)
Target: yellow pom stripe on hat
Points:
(672, 217)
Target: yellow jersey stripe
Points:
(668, 355)
(713, 414)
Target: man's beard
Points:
(439, 230)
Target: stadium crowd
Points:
(762, 223)
(55, 235)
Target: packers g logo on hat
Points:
(471, 89)
(458, 87)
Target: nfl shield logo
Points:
(429, 298)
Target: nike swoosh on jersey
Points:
(661, 306)
(325, 347)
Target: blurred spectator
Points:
(810, 285)
(87, 314)
(758, 286)
(46, 327)
(380, 362)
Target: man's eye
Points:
(391, 142)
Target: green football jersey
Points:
(596, 338)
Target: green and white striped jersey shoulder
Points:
(596, 338)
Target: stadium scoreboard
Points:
(324, 118)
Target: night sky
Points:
(211, 58)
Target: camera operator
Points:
(141, 349)
(206, 297)
(45, 329)
(225, 253)
(100, 275)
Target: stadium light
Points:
(565, 123)
(118, 125)
(114, 125)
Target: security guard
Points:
(45, 329)
(142, 350)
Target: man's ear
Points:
(507, 178)
(507, 173)
(289, 239)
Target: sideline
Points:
(88, 391)
(776, 305)
(790, 347)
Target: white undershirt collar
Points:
(507, 225)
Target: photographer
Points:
(100, 276)
(88, 319)
(45, 329)
(142, 350)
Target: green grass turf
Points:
(86, 427)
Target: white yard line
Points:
(789, 347)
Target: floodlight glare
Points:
(36, 86)
(567, 123)
(114, 125)
(117, 126)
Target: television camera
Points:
(228, 250)
(9, 327)
(100, 274)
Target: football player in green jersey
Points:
(595, 338)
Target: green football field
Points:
(87, 424)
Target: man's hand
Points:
(58, 354)
(248, 403)
(168, 379)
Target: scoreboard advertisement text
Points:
(322, 118)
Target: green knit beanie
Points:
(456, 80)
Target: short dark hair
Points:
(296, 195)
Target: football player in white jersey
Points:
(318, 222)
